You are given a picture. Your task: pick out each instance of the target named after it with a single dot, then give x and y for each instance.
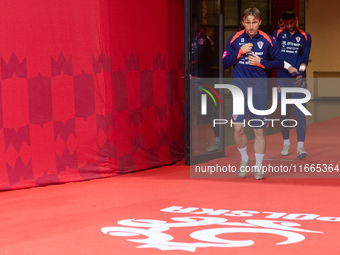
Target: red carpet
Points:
(68, 218)
(322, 143)
(140, 213)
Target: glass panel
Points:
(205, 38)
(206, 141)
(302, 14)
(206, 106)
(231, 13)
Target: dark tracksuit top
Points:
(294, 48)
(263, 46)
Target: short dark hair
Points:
(251, 11)
(288, 14)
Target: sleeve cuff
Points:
(240, 52)
(261, 64)
(302, 68)
(286, 65)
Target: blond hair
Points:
(251, 12)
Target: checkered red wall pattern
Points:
(119, 111)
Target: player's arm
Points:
(306, 47)
(274, 52)
(277, 61)
(304, 61)
(278, 41)
(232, 54)
(287, 66)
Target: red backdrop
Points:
(278, 6)
(89, 89)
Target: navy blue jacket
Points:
(265, 47)
(295, 48)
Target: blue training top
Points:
(295, 48)
(263, 46)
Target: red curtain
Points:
(89, 89)
(280, 5)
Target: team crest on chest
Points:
(298, 38)
(260, 44)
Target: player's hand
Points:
(254, 60)
(246, 48)
(292, 70)
(298, 79)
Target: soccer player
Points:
(295, 47)
(251, 52)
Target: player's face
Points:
(251, 25)
(290, 24)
